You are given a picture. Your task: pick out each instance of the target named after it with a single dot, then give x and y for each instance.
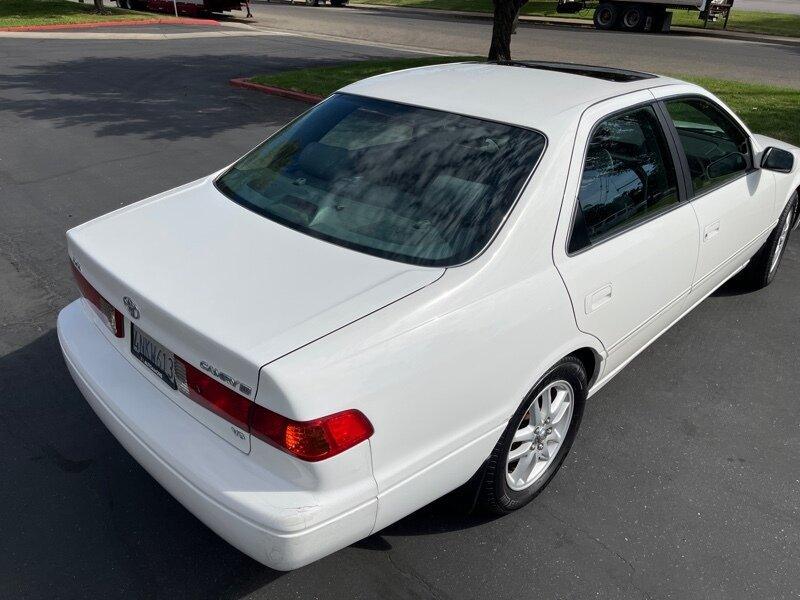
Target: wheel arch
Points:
(591, 361)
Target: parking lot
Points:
(683, 481)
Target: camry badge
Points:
(133, 310)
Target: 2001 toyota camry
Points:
(416, 284)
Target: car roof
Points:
(537, 95)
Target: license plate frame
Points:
(154, 355)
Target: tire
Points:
(633, 18)
(312, 2)
(764, 265)
(606, 16)
(497, 494)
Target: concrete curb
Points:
(579, 23)
(243, 82)
(96, 24)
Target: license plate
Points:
(157, 358)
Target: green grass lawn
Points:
(21, 13)
(744, 21)
(770, 110)
(324, 80)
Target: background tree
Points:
(98, 5)
(505, 14)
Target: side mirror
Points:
(776, 159)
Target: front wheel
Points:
(764, 265)
(536, 440)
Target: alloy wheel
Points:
(539, 435)
(776, 259)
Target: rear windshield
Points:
(410, 184)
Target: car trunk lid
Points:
(226, 290)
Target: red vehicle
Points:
(185, 7)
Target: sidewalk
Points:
(581, 23)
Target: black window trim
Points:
(678, 165)
(692, 193)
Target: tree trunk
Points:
(505, 15)
(98, 5)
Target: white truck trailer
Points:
(646, 15)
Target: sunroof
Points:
(605, 73)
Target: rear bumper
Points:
(270, 519)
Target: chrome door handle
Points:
(597, 299)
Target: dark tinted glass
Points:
(411, 184)
(716, 148)
(628, 176)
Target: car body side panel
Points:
(627, 289)
(440, 372)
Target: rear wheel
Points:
(605, 16)
(312, 2)
(536, 440)
(633, 18)
(764, 265)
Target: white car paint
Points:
(437, 359)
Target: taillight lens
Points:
(308, 440)
(107, 313)
(211, 394)
(311, 440)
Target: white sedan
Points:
(414, 286)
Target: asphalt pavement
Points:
(683, 481)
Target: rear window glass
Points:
(411, 184)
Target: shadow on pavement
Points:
(82, 519)
(166, 97)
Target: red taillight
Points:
(109, 315)
(212, 395)
(311, 440)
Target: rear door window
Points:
(628, 176)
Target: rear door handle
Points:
(711, 231)
(597, 299)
